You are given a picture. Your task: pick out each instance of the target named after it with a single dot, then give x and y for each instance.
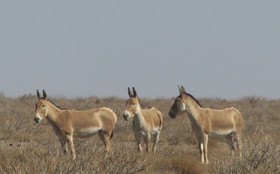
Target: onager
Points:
(73, 123)
(204, 121)
(146, 123)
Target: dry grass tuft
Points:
(186, 163)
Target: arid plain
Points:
(28, 147)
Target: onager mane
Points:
(188, 94)
(228, 122)
(56, 105)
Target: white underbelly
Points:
(223, 131)
(85, 132)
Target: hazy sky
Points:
(226, 49)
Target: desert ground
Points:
(28, 147)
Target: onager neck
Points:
(53, 112)
(192, 108)
(139, 118)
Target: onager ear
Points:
(129, 93)
(180, 90)
(38, 94)
(44, 94)
(183, 89)
(134, 91)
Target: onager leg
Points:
(71, 145)
(235, 142)
(63, 142)
(205, 144)
(138, 141)
(200, 147)
(106, 140)
(156, 138)
(147, 141)
(238, 143)
(231, 141)
(62, 139)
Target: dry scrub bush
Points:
(260, 155)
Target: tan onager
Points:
(146, 123)
(204, 121)
(68, 124)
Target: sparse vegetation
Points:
(27, 147)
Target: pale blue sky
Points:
(226, 49)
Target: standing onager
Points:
(227, 121)
(146, 122)
(72, 123)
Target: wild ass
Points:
(204, 121)
(73, 123)
(146, 123)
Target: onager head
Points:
(179, 105)
(41, 110)
(132, 104)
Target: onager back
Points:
(146, 123)
(204, 121)
(73, 123)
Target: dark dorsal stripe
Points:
(56, 105)
(193, 99)
(51, 103)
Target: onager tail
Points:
(112, 134)
(160, 118)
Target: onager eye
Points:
(43, 106)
